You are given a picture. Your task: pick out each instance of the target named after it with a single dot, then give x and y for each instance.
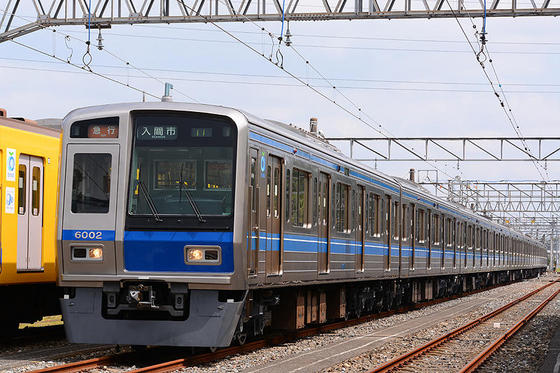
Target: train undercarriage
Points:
(296, 308)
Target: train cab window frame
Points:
(91, 183)
(209, 143)
(300, 198)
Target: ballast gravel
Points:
(495, 299)
(526, 356)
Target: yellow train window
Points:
(22, 196)
(35, 191)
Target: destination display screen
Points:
(98, 128)
(96, 131)
(149, 132)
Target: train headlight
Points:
(195, 255)
(95, 253)
(203, 255)
(87, 253)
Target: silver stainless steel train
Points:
(197, 225)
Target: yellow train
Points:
(29, 160)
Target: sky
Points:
(414, 78)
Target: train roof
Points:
(29, 127)
(287, 130)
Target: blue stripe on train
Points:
(162, 251)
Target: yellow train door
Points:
(30, 213)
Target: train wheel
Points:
(213, 349)
(241, 338)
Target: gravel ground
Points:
(496, 298)
(526, 351)
(239, 363)
(46, 354)
(390, 350)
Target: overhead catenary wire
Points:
(379, 128)
(319, 46)
(352, 37)
(86, 65)
(84, 69)
(272, 84)
(483, 48)
(511, 119)
(339, 79)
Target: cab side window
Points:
(91, 181)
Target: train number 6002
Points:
(88, 235)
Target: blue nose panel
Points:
(157, 251)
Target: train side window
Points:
(268, 182)
(377, 213)
(288, 204)
(404, 223)
(342, 192)
(465, 243)
(300, 198)
(395, 220)
(354, 212)
(22, 187)
(36, 191)
(450, 230)
(421, 226)
(91, 183)
(441, 230)
(315, 198)
(435, 229)
(254, 184)
(276, 193)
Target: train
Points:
(198, 225)
(29, 160)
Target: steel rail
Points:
(484, 355)
(409, 356)
(79, 366)
(271, 340)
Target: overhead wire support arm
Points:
(107, 13)
(471, 149)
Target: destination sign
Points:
(103, 131)
(154, 132)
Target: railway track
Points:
(153, 358)
(467, 347)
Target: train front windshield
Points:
(182, 171)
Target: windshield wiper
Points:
(194, 206)
(190, 198)
(150, 201)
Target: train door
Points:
(388, 219)
(253, 196)
(274, 176)
(360, 231)
(323, 224)
(30, 213)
